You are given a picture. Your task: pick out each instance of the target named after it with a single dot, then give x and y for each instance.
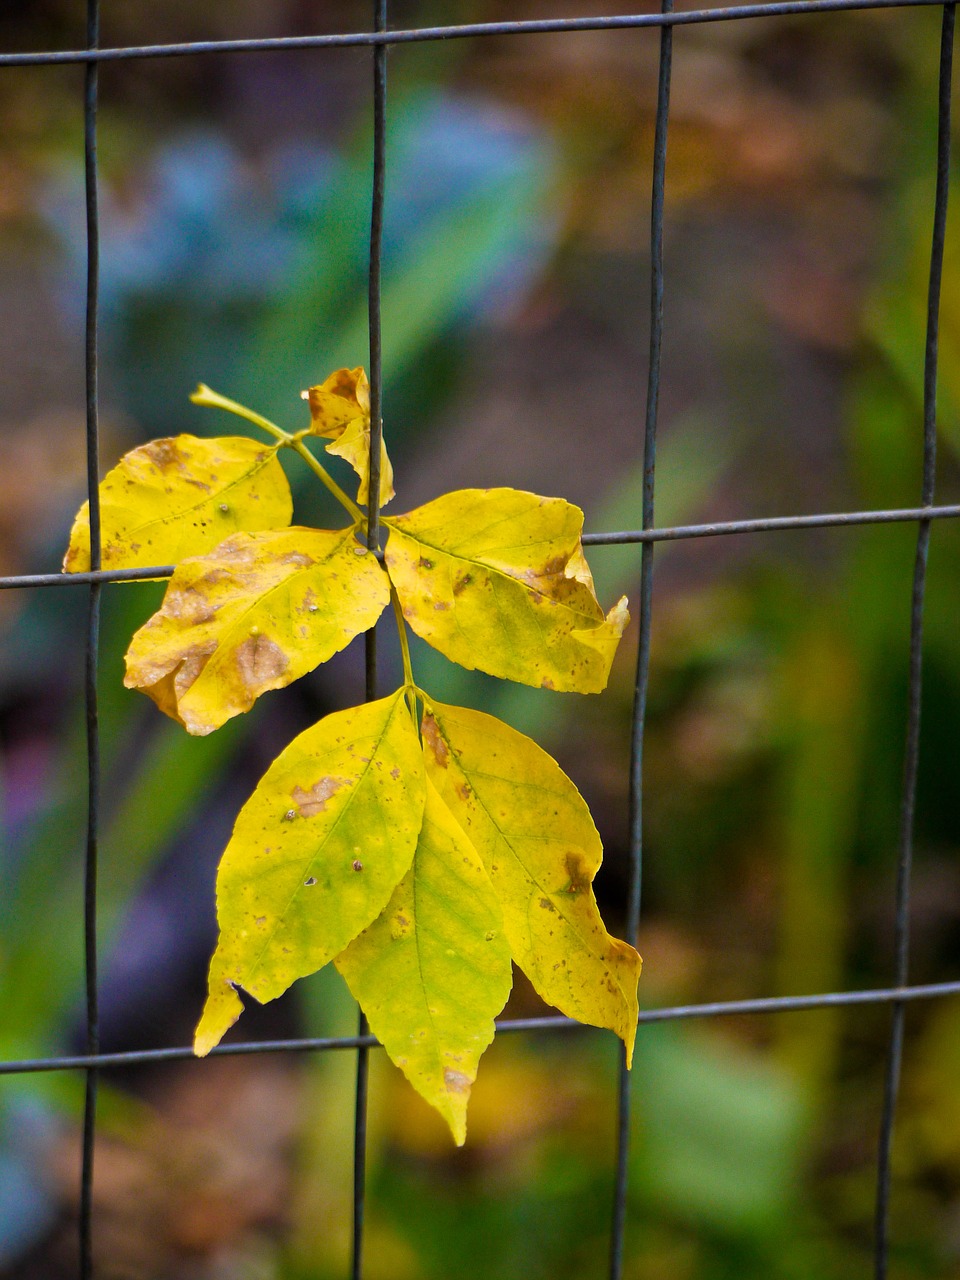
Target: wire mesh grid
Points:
(379, 39)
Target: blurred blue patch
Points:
(214, 265)
(27, 1209)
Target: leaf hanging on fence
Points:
(315, 855)
(496, 579)
(541, 850)
(340, 412)
(257, 613)
(181, 497)
(433, 970)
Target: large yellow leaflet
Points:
(496, 579)
(315, 855)
(181, 497)
(256, 613)
(433, 970)
(541, 850)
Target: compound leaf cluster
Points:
(420, 847)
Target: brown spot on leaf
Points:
(462, 583)
(400, 926)
(547, 905)
(310, 803)
(464, 791)
(357, 864)
(547, 683)
(424, 563)
(296, 557)
(259, 662)
(434, 740)
(579, 880)
(456, 1081)
(165, 455)
(190, 606)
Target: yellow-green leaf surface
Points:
(541, 850)
(340, 412)
(257, 613)
(181, 497)
(433, 971)
(315, 855)
(496, 579)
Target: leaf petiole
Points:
(207, 396)
(319, 470)
(404, 642)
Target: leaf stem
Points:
(404, 642)
(320, 470)
(207, 396)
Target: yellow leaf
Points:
(433, 970)
(541, 850)
(257, 613)
(181, 497)
(340, 412)
(496, 579)
(315, 855)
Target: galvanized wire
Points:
(461, 31)
(911, 763)
(374, 309)
(639, 718)
(91, 361)
(668, 533)
(379, 39)
(670, 1013)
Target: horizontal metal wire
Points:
(769, 524)
(671, 1013)
(418, 35)
(71, 579)
(670, 533)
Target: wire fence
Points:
(379, 39)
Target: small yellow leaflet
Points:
(340, 412)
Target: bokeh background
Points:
(235, 201)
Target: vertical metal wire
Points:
(912, 748)
(373, 542)
(91, 85)
(646, 600)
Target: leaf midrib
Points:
(163, 520)
(257, 603)
(547, 892)
(350, 800)
(500, 573)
